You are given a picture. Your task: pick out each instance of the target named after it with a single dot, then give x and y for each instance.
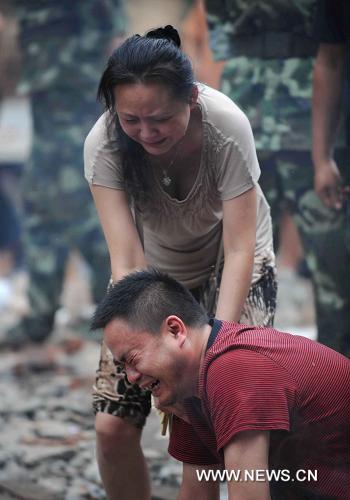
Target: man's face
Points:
(153, 361)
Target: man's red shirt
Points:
(261, 379)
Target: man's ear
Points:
(176, 327)
(194, 96)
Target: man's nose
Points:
(132, 374)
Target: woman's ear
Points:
(193, 96)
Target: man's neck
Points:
(200, 338)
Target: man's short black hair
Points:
(144, 299)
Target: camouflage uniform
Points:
(64, 46)
(269, 51)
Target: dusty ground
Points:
(47, 448)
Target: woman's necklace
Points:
(166, 179)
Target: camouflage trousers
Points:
(59, 212)
(287, 181)
(10, 227)
(114, 394)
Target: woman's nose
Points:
(148, 133)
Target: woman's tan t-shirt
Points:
(181, 237)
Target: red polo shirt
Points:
(261, 379)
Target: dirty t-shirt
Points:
(181, 237)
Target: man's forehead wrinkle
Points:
(122, 354)
(115, 335)
(124, 338)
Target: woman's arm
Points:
(124, 245)
(239, 236)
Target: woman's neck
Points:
(177, 173)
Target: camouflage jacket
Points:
(269, 51)
(64, 41)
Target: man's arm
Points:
(10, 58)
(187, 447)
(191, 488)
(248, 451)
(326, 116)
(195, 41)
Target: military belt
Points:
(54, 28)
(273, 45)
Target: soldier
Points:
(64, 45)
(269, 49)
(331, 80)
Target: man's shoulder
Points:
(235, 340)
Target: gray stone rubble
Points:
(47, 448)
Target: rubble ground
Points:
(47, 429)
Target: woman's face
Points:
(149, 114)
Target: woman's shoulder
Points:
(220, 112)
(102, 155)
(101, 135)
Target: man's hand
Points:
(328, 184)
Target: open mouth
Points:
(153, 386)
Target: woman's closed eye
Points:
(161, 120)
(130, 120)
(134, 119)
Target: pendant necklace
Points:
(166, 179)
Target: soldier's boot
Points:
(28, 331)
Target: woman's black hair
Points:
(153, 58)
